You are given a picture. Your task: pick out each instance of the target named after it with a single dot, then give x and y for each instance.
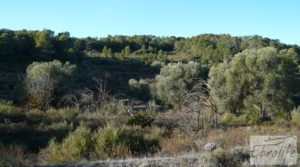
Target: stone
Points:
(209, 146)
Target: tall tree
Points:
(263, 79)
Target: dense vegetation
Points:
(65, 99)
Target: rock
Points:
(209, 146)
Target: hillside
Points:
(113, 101)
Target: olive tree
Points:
(175, 79)
(265, 80)
(43, 79)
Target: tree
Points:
(175, 79)
(127, 50)
(198, 101)
(107, 52)
(45, 79)
(265, 80)
(44, 42)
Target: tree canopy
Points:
(263, 79)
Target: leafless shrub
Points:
(198, 104)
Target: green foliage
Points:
(76, 146)
(252, 117)
(107, 52)
(66, 113)
(44, 80)
(296, 116)
(264, 80)
(109, 144)
(123, 142)
(175, 79)
(133, 84)
(248, 118)
(35, 114)
(139, 89)
(7, 108)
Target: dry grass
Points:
(177, 143)
(240, 136)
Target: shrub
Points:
(76, 146)
(175, 79)
(7, 108)
(260, 79)
(123, 142)
(247, 118)
(252, 117)
(133, 84)
(141, 118)
(113, 108)
(45, 79)
(109, 144)
(54, 115)
(138, 144)
(67, 113)
(296, 116)
(35, 114)
(140, 89)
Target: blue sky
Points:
(279, 19)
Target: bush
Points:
(123, 142)
(67, 113)
(252, 117)
(7, 108)
(261, 79)
(108, 143)
(35, 114)
(133, 84)
(140, 89)
(175, 79)
(141, 118)
(296, 116)
(44, 80)
(76, 146)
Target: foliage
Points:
(140, 119)
(296, 116)
(35, 114)
(123, 142)
(107, 52)
(175, 79)
(44, 80)
(76, 146)
(139, 89)
(257, 79)
(7, 108)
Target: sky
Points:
(276, 19)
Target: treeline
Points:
(207, 48)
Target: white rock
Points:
(209, 146)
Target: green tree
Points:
(44, 42)
(175, 79)
(45, 79)
(107, 52)
(265, 80)
(127, 50)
